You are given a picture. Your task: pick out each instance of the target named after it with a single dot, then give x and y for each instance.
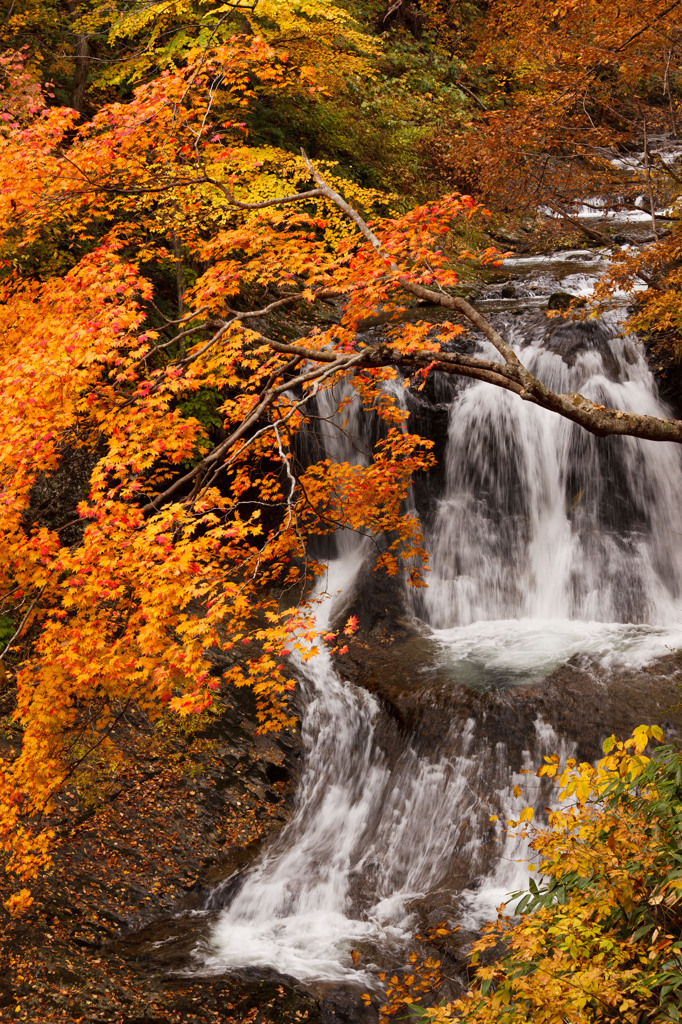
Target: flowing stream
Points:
(548, 546)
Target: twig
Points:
(647, 166)
(24, 620)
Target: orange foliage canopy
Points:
(164, 318)
(193, 527)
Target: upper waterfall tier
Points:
(541, 520)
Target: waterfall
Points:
(542, 520)
(378, 826)
(290, 913)
(549, 542)
(546, 543)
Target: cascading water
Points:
(374, 830)
(549, 542)
(290, 913)
(542, 520)
(546, 544)
(373, 834)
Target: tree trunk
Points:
(81, 63)
(403, 14)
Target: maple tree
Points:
(148, 257)
(170, 553)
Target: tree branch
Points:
(436, 298)
(513, 376)
(510, 375)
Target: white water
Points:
(590, 210)
(541, 521)
(369, 837)
(547, 544)
(505, 652)
(291, 913)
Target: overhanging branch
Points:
(512, 375)
(596, 419)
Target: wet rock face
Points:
(398, 659)
(564, 300)
(571, 338)
(667, 369)
(380, 603)
(582, 701)
(430, 419)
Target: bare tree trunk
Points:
(667, 92)
(649, 184)
(179, 284)
(82, 61)
(596, 236)
(404, 13)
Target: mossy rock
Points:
(563, 300)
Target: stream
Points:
(553, 607)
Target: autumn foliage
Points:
(560, 87)
(143, 253)
(176, 290)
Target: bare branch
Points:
(342, 362)
(596, 236)
(596, 419)
(233, 201)
(650, 190)
(24, 620)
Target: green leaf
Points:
(642, 931)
